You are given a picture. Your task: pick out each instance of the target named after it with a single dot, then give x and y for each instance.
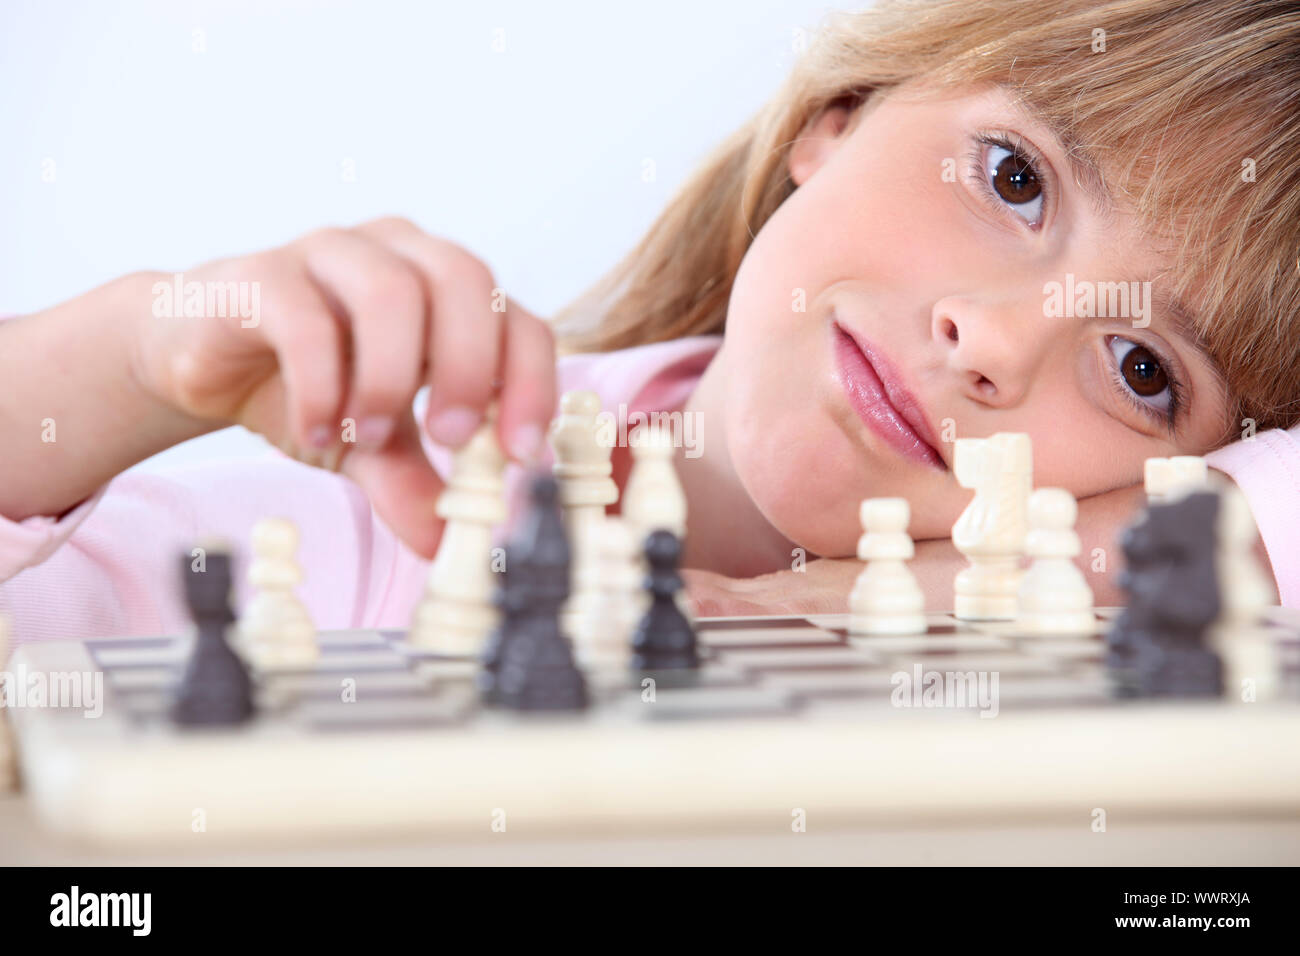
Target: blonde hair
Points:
(1172, 99)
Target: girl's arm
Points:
(72, 414)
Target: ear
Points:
(820, 139)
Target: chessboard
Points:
(785, 715)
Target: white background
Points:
(179, 132)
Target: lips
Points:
(876, 393)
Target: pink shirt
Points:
(1266, 467)
(109, 567)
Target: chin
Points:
(798, 476)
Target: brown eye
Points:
(1142, 372)
(1014, 179)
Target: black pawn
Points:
(664, 638)
(216, 689)
(1158, 646)
(533, 667)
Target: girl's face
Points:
(906, 295)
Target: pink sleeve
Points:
(110, 567)
(31, 541)
(1267, 469)
(641, 378)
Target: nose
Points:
(995, 349)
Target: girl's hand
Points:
(352, 322)
(822, 587)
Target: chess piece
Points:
(1244, 644)
(664, 638)
(991, 531)
(1054, 597)
(583, 469)
(534, 668)
(457, 613)
(605, 629)
(886, 598)
(654, 499)
(276, 630)
(1158, 645)
(1164, 479)
(216, 689)
(510, 600)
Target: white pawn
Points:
(1251, 668)
(583, 471)
(1054, 596)
(456, 614)
(605, 631)
(276, 630)
(886, 598)
(653, 499)
(1164, 479)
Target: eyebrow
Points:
(1178, 315)
(1182, 320)
(1085, 171)
(1087, 176)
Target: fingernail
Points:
(525, 443)
(320, 436)
(454, 426)
(374, 431)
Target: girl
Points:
(867, 270)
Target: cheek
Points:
(1067, 429)
(1065, 455)
(798, 470)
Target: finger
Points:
(712, 595)
(464, 340)
(402, 486)
(528, 391)
(384, 304)
(310, 348)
